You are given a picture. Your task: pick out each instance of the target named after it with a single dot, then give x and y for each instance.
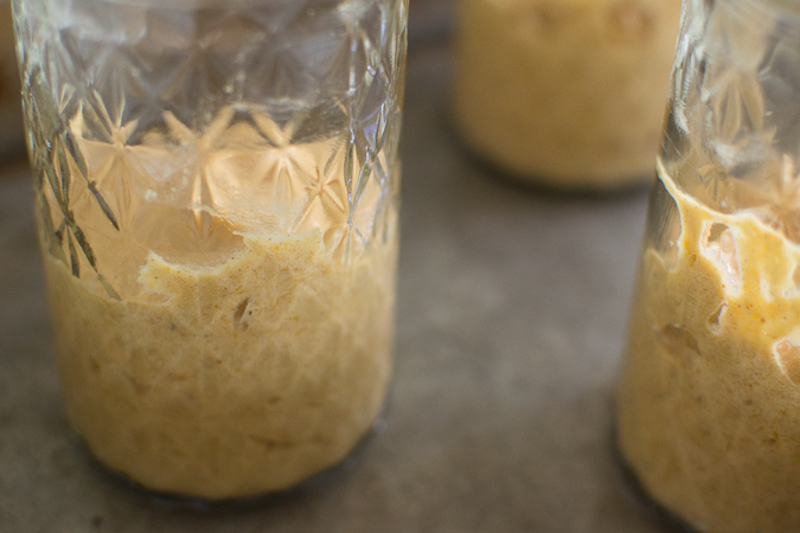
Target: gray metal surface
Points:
(512, 306)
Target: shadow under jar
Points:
(709, 399)
(217, 192)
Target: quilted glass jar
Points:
(709, 400)
(217, 193)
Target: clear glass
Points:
(709, 399)
(569, 94)
(217, 193)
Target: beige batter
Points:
(569, 93)
(709, 402)
(249, 377)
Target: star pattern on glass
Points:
(282, 166)
(324, 201)
(113, 168)
(202, 149)
(254, 134)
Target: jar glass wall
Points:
(217, 193)
(709, 400)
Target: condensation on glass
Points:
(217, 194)
(566, 94)
(709, 399)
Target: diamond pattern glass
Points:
(149, 125)
(217, 192)
(709, 394)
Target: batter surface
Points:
(237, 379)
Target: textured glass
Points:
(709, 401)
(226, 171)
(149, 124)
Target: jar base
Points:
(585, 187)
(639, 493)
(181, 502)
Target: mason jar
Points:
(709, 399)
(217, 199)
(565, 94)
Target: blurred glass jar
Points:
(709, 400)
(217, 191)
(566, 94)
(12, 138)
